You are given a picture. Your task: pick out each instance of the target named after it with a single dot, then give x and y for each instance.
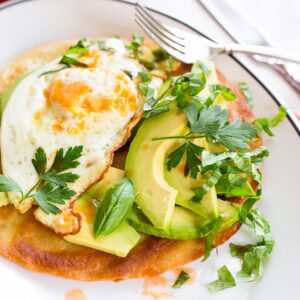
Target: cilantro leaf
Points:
(265, 124)
(181, 280)
(40, 161)
(224, 281)
(226, 92)
(69, 160)
(247, 93)
(145, 76)
(9, 185)
(236, 135)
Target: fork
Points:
(188, 47)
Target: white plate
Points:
(26, 24)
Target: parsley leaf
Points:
(208, 120)
(181, 280)
(192, 162)
(40, 161)
(247, 93)
(265, 124)
(9, 185)
(69, 160)
(224, 281)
(235, 135)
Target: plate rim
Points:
(11, 3)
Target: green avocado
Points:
(145, 166)
(184, 184)
(120, 241)
(185, 224)
(158, 189)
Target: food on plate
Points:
(116, 158)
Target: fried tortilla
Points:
(27, 242)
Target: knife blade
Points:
(245, 32)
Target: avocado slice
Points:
(185, 224)
(184, 184)
(145, 166)
(120, 241)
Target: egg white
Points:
(22, 132)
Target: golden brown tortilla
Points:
(28, 243)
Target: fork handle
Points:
(285, 55)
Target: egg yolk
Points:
(81, 98)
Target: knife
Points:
(244, 32)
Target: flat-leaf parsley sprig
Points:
(51, 188)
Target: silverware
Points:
(188, 47)
(245, 32)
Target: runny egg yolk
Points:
(89, 94)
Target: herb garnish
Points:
(51, 188)
(181, 280)
(247, 93)
(254, 255)
(68, 61)
(265, 124)
(225, 281)
(114, 207)
(211, 122)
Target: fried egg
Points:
(95, 107)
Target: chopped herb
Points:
(207, 186)
(181, 280)
(156, 111)
(51, 187)
(224, 91)
(254, 256)
(160, 55)
(265, 124)
(70, 61)
(135, 46)
(224, 281)
(247, 93)
(215, 226)
(79, 48)
(114, 207)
